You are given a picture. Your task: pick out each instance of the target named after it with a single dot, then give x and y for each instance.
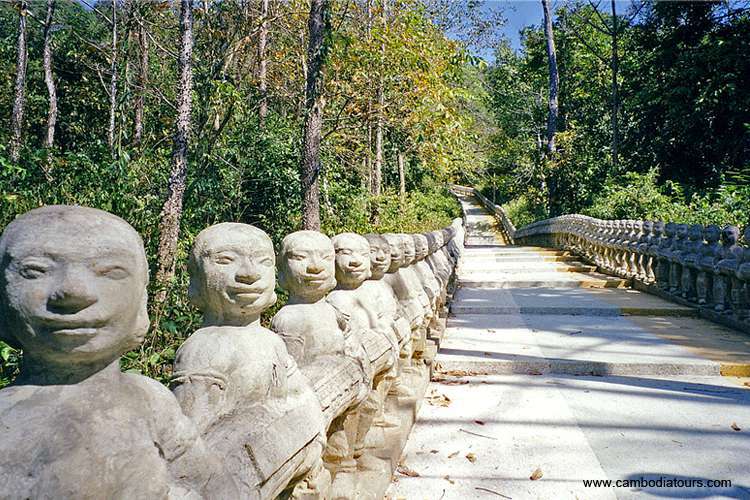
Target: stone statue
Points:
(691, 253)
(663, 252)
(727, 263)
(707, 260)
(235, 379)
(328, 351)
(378, 334)
(675, 258)
(387, 306)
(653, 250)
(73, 297)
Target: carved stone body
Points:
(73, 296)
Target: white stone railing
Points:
(318, 406)
(692, 264)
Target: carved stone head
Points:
(439, 240)
(729, 236)
(746, 236)
(307, 265)
(380, 255)
(431, 242)
(232, 273)
(670, 229)
(352, 260)
(397, 251)
(711, 233)
(72, 286)
(648, 227)
(658, 228)
(410, 251)
(421, 246)
(695, 232)
(681, 231)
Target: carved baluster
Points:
(709, 253)
(689, 258)
(675, 255)
(664, 252)
(654, 241)
(725, 268)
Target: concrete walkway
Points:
(550, 370)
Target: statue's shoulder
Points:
(288, 316)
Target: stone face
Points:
(73, 296)
(234, 378)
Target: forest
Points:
(352, 115)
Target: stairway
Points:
(550, 370)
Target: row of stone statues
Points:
(298, 410)
(703, 264)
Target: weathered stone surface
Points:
(234, 378)
(73, 296)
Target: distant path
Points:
(547, 365)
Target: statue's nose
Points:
(247, 274)
(74, 294)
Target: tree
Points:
(140, 99)
(19, 103)
(113, 80)
(169, 226)
(49, 79)
(314, 102)
(554, 81)
(263, 63)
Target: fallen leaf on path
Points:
(453, 454)
(471, 457)
(478, 422)
(447, 478)
(406, 471)
(536, 475)
(576, 332)
(534, 372)
(736, 427)
(437, 399)
(433, 451)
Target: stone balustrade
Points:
(319, 405)
(702, 265)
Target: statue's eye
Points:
(266, 261)
(113, 272)
(223, 259)
(33, 271)
(296, 256)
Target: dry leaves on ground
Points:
(736, 427)
(448, 478)
(536, 475)
(453, 454)
(438, 399)
(471, 457)
(406, 471)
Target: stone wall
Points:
(318, 406)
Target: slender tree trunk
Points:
(377, 174)
(554, 81)
(113, 81)
(313, 115)
(169, 227)
(140, 100)
(401, 175)
(615, 92)
(49, 77)
(262, 63)
(19, 103)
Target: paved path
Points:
(549, 366)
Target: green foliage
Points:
(639, 196)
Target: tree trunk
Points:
(554, 81)
(401, 175)
(19, 103)
(169, 226)
(140, 100)
(615, 92)
(49, 77)
(377, 174)
(314, 103)
(113, 81)
(262, 64)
